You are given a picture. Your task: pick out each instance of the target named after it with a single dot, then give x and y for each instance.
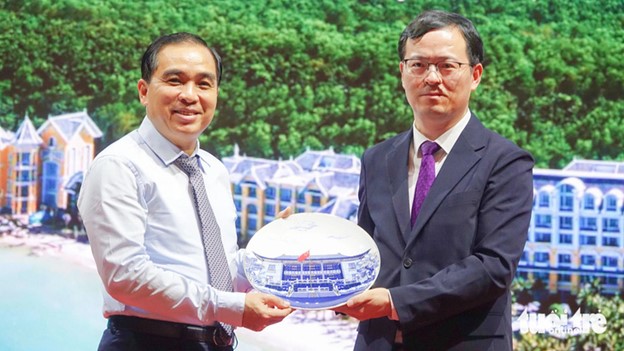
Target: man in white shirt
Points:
(143, 224)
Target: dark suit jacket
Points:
(449, 275)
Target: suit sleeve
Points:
(364, 218)
(502, 222)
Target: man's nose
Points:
(188, 92)
(432, 75)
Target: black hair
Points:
(434, 19)
(149, 59)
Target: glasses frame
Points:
(435, 64)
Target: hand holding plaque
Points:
(313, 260)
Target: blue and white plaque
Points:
(313, 260)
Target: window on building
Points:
(585, 239)
(327, 162)
(542, 237)
(543, 221)
(252, 191)
(25, 158)
(565, 238)
(541, 258)
(586, 279)
(611, 203)
(544, 199)
(566, 198)
(609, 262)
(524, 259)
(301, 198)
(588, 260)
(52, 142)
(23, 176)
(252, 209)
(270, 193)
(564, 278)
(589, 202)
(269, 209)
(237, 189)
(86, 156)
(611, 225)
(541, 276)
(286, 195)
(316, 200)
(251, 224)
(49, 184)
(237, 203)
(565, 222)
(609, 281)
(611, 241)
(565, 260)
(588, 223)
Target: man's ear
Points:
(142, 88)
(477, 72)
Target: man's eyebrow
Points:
(172, 72)
(211, 76)
(176, 72)
(426, 58)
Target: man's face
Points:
(437, 100)
(181, 97)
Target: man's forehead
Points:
(445, 38)
(180, 54)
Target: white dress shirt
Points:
(138, 210)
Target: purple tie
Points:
(426, 175)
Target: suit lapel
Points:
(396, 166)
(465, 154)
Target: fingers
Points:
(370, 304)
(275, 301)
(357, 300)
(285, 213)
(262, 310)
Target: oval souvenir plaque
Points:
(313, 260)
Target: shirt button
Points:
(407, 263)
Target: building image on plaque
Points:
(312, 282)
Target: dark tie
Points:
(218, 269)
(426, 175)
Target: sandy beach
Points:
(302, 330)
(50, 245)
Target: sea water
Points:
(51, 304)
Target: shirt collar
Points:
(166, 151)
(447, 140)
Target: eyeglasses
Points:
(419, 68)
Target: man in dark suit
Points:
(446, 267)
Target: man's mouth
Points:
(186, 112)
(434, 93)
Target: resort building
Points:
(315, 181)
(45, 166)
(577, 227)
(577, 224)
